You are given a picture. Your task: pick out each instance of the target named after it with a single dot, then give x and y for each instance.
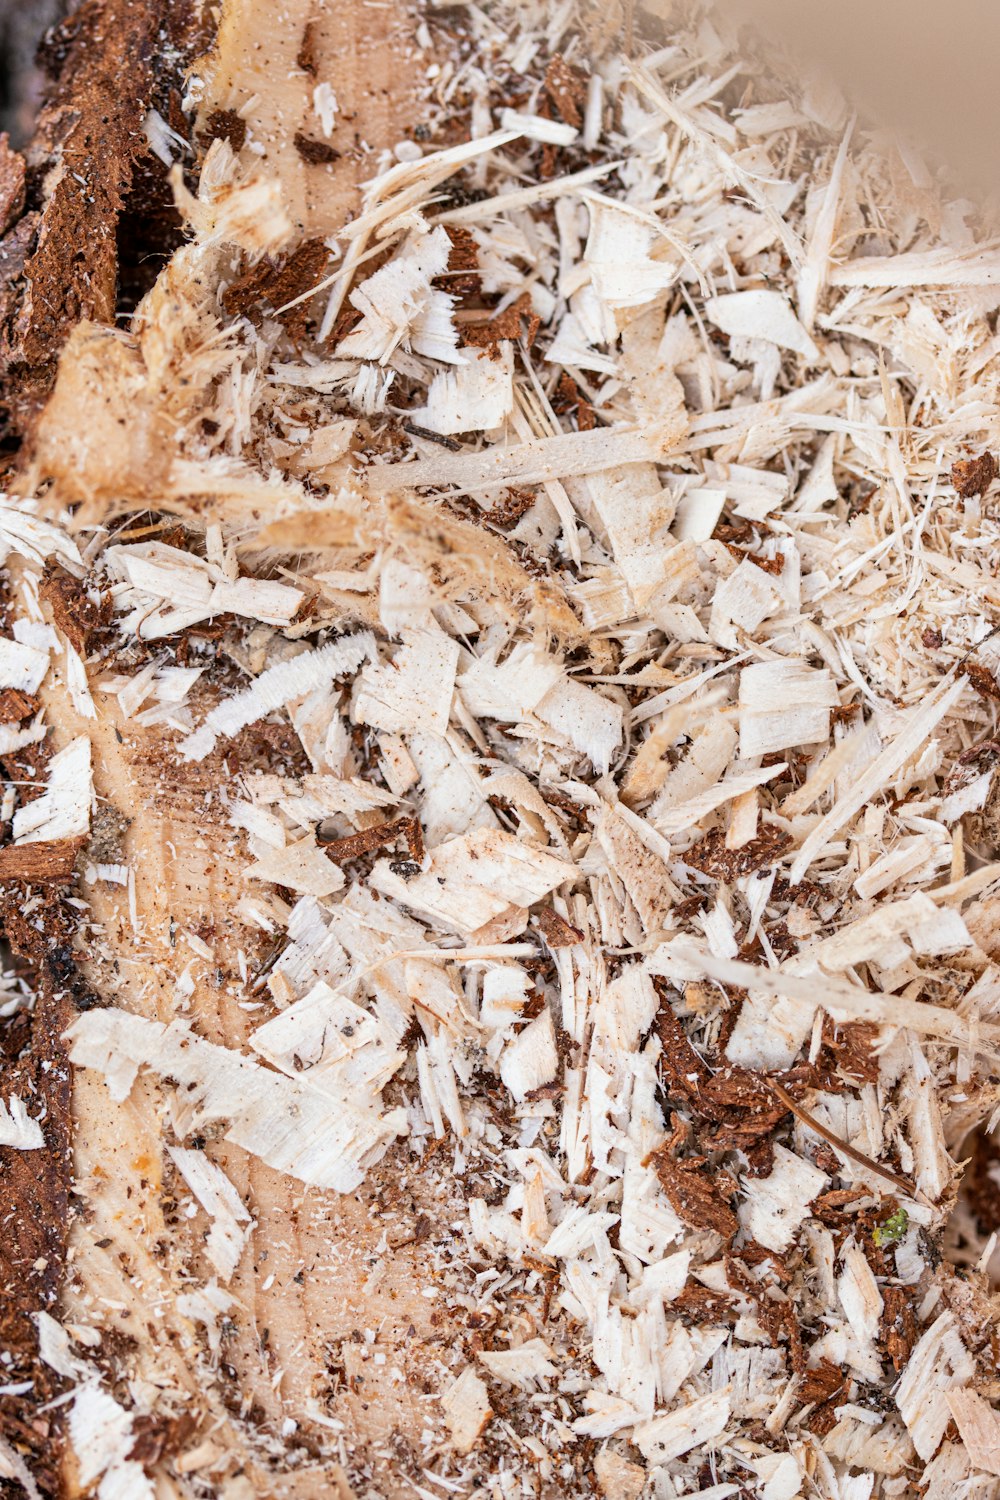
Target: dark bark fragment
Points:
(505, 325)
(556, 931)
(973, 476)
(39, 863)
(224, 125)
(59, 263)
(694, 1194)
(381, 836)
(712, 858)
(567, 89)
(15, 705)
(898, 1326)
(73, 612)
(265, 288)
(462, 277)
(35, 1185)
(313, 152)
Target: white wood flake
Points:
(231, 1221)
(470, 880)
(63, 809)
(323, 1138)
(939, 1363)
(276, 687)
(17, 1127)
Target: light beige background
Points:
(926, 66)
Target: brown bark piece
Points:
(694, 1194)
(739, 1107)
(973, 476)
(35, 1185)
(685, 1073)
(509, 510)
(982, 680)
(266, 287)
(821, 1381)
(224, 125)
(568, 397)
(92, 129)
(462, 276)
(849, 1048)
(556, 931)
(567, 90)
(15, 705)
(506, 325)
(381, 836)
(307, 55)
(11, 184)
(316, 153)
(72, 611)
(701, 1306)
(898, 1326)
(711, 856)
(42, 862)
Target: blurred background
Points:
(924, 68)
(22, 25)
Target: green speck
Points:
(892, 1230)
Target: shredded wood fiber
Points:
(498, 704)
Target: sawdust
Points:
(567, 619)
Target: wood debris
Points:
(498, 717)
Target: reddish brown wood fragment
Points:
(506, 325)
(266, 287)
(509, 510)
(567, 90)
(15, 705)
(843, 713)
(315, 153)
(712, 858)
(850, 1046)
(693, 1193)
(973, 476)
(307, 57)
(34, 1185)
(556, 931)
(159, 1437)
(39, 863)
(381, 836)
(773, 565)
(821, 1382)
(462, 276)
(830, 1208)
(738, 1105)
(72, 611)
(568, 398)
(982, 680)
(746, 1115)
(753, 1254)
(685, 1074)
(701, 1306)
(224, 125)
(898, 1325)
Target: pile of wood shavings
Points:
(610, 553)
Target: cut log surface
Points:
(499, 749)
